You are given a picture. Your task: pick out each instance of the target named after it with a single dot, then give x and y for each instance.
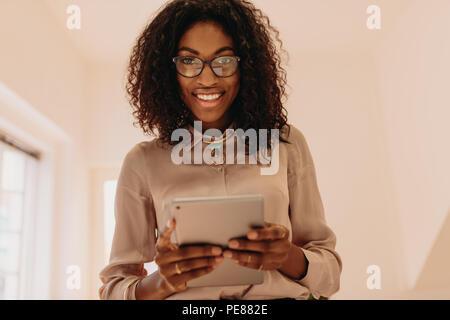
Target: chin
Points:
(209, 118)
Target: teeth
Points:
(209, 97)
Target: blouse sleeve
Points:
(309, 229)
(134, 235)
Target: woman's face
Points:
(207, 40)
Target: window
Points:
(18, 173)
(109, 191)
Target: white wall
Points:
(40, 65)
(413, 69)
(110, 122)
(335, 103)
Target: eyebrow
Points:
(197, 53)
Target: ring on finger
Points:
(177, 268)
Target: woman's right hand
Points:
(179, 265)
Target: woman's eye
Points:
(187, 60)
(225, 60)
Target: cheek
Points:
(184, 86)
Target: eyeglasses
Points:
(191, 67)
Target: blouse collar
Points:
(196, 135)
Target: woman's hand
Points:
(264, 249)
(179, 265)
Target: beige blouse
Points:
(149, 180)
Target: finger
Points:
(259, 266)
(256, 266)
(164, 238)
(275, 246)
(179, 281)
(269, 232)
(189, 265)
(270, 261)
(190, 252)
(165, 235)
(244, 257)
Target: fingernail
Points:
(227, 254)
(252, 235)
(216, 250)
(233, 244)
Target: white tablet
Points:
(215, 220)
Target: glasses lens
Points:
(189, 66)
(224, 66)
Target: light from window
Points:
(109, 193)
(13, 171)
(17, 173)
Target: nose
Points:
(207, 77)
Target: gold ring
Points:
(177, 268)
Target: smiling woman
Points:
(214, 61)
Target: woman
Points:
(214, 61)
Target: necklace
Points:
(215, 144)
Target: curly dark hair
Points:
(152, 86)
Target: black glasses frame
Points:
(174, 59)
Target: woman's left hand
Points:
(264, 248)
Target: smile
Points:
(209, 100)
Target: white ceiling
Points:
(109, 27)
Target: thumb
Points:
(164, 242)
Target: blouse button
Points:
(219, 169)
